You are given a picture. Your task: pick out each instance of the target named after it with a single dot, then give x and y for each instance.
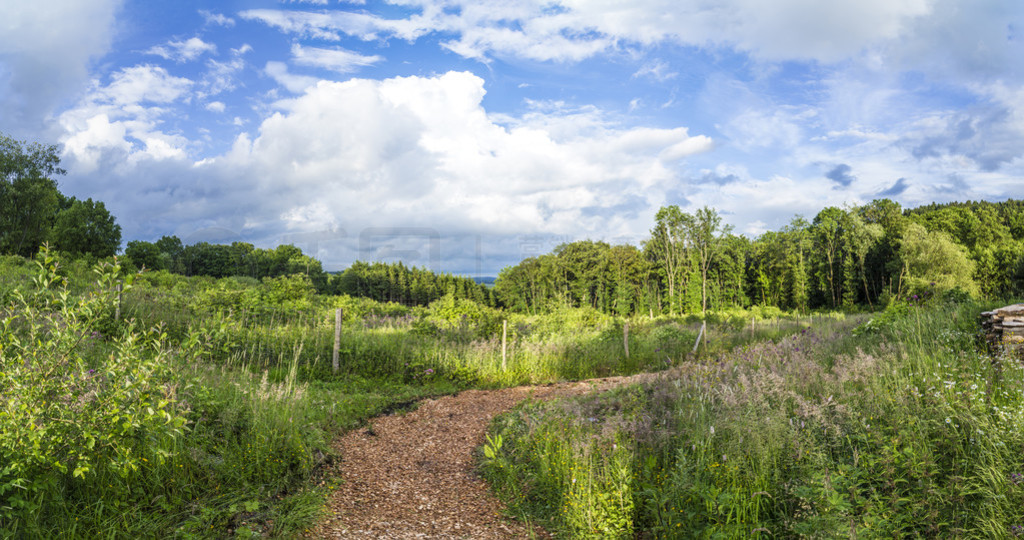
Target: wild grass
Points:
(455, 340)
(109, 428)
(907, 430)
(207, 408)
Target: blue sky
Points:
(464, 136)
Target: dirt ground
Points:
(412, 475)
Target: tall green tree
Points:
(585, 268)
(798, 247)
(827, 234)
(729, 272)
(934, 260)
(85, 227)
(766, 269)
(28, 195)
(145, 255)
(883, 259)
(172, 250)
(861, 237)
(668, 248)
(704, 231)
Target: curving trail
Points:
(412, 475)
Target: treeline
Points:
(383, 282)
(222, 260)
(844, 258)
(396, 282)
(34, 211)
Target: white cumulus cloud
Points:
(402, 152)
(123, 118)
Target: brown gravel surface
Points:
(412, 475)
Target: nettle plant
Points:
(77, 407)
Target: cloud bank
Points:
(406, 151)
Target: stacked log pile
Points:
(1004, 327)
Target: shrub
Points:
(70, 419)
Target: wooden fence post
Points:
(504, 344)
(703, 327)
(625, 338)
(117, 311)
(337, 339)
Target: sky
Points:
(463, 136)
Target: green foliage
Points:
(76, 407)
(145, 255)
(28, 195)
(579, 481)
(884, 321)
(932, 260)
(397, 283)
(33, 211)
(85, 227)
(847, 258)
(110, 430)
(906, 431)
(464, 319)
(15, 273)
(360, 310)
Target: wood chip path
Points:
(413, 475)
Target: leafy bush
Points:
(463, 319)
(884, 321)
(71, 418)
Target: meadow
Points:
(204, 408)
(903, 426)
(200, 407)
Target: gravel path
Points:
(412, 475)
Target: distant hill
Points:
(485, 280)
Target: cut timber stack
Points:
(1004, 327)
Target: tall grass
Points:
(909, 429)
(109, 428)
(243, 371)
(411, 345)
